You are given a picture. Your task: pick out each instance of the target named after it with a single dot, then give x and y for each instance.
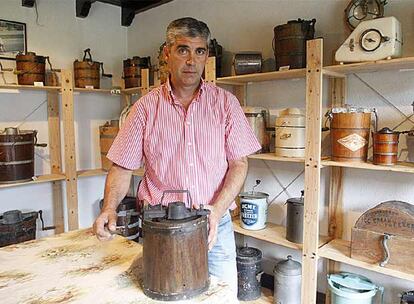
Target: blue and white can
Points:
(253, 210)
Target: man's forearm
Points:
(233, 182)
(116, 186)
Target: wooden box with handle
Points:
(384, 235)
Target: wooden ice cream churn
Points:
(385, 147)
(350, 129)
(132, 70)
(290, 133)
(180, 232)
(384, 235)
(257, 118)
(87, 71)
(288, 278)
(17, 155)
(107, 134)
(128, 221)
(294, 219)
(249, 272)
(30, 68)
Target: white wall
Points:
(63, 37)
(248, 25)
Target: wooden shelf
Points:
(373, 66)
(136, 90)
(340, 251)
(102, 91)
(38, 179)
(405, 167)
(28, 87)
(273, 157)
(274, 234)
(99, 172)
(258, 77)
(265, 298)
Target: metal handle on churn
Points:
(387, 255)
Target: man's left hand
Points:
(213, 222)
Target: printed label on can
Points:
(249, 213)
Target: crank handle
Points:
(387, 255)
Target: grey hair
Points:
(187, 27)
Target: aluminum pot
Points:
(288, 280)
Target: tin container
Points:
(253, 207)
(288, 280)
(290, 133)
(249, 271)
(349, 288)
(294, 219)
(247, 63)
(257, 118)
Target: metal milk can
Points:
(288, 280)
(294, 219)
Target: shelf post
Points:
(145, 83)
(55, 158)
(70, 156)
(312, 170)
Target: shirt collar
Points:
(170, 93)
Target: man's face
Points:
(186, 60)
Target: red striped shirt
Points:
(183, 149)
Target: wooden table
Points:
(75, 267)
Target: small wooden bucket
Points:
(132, 70)
(385, 147)
(107, 134)
(30, 68)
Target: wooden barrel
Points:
(128, 221)
(17, 157)
(175, 258)
(87, 73)
(350, 136)
(107, 134)
(385, 147)
(290, 43)
(132, 70)
(30, 68)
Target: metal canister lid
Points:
(295, 200)
(386, 130)
(253, 195)
(351, 282)
(253, 110)
(248, 254)
(288, 267)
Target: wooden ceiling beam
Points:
(28, 3)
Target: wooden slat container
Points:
(385, 147)
(350, 136)
(87, 73)
(107, 134)
(17, 157)
(175, 258)
(30, 68)
(132, 70)
(393, 218)
(21, 230)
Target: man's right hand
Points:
(104, 224)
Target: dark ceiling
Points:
(129, 8)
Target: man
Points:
(192, 135)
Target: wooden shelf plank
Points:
(136, 90)
(340, 251)
(83, 90)
(28, 87)
(277, 75)
(406, 63)
(405, 167)
(99, 172)
(274, 234)
(273, 157)
(38, 179)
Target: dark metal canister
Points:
(407, 297)
(249, 271)
(294, 220)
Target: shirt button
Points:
(191, 164)
(189, 144)
(188, 123)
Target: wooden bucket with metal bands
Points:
(107, 134)
(350, 136)
(87, 73)
(132, 70)
(290, 43)
(30, 68)
(385, 148)
(17, 157)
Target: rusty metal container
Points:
(87, 72)
(17, 155)
(249, 272)
(247, 63)
(180, 232)
(132, 70)
(30, 68)
(385, 147)
(17, 227)
(290, 43)
(350, 134)
(107, 134)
